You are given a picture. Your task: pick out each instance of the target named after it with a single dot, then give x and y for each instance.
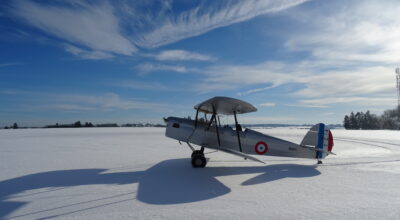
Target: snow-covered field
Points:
(138, 173)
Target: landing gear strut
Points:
(198, 159)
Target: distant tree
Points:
(346, 122)
(15, 126)
(390, 119)
(107, 125)
(372, 121)
(77, 124)
(88, 124)
(353, 121)
(5, 127)
(387, 120)
(359, 120)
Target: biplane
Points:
(207, 132)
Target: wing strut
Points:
(237, 131)
(216, 126)
(196, 119)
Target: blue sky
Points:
(122, 61)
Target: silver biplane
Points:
(208, 133)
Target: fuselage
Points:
(206, 134)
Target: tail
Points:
(320, 137)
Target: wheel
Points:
(197, 152)
(198, 160)
(319, 162)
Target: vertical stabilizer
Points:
(320, 137)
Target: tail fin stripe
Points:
(320, 145)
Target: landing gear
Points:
(197, 152)
(198, 159)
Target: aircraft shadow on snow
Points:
(168, 182)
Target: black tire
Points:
(198, 161)
(197, 152)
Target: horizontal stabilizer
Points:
(319, 150)
(240, 154)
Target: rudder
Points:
(320, 137)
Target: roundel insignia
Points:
(261, 147)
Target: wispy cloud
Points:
(369, 101)
(266, 120)
(348, 61)
(87, 54)
(120, 27)
(354, 32)
(92, 26)
(13, 92)
(359, 81)
(316, 83)
(255, 90)
(141, 85)
(208, 16)
(156, 67)
(222, 77)
(69, 107)
(306, 106)
(9, 64)
(182, 55)
(268, 104)
(328, 113)
(80, 102)
(107, 102)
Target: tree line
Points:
(78, 124)
(390, 119)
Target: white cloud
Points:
(153, 67)
(255, 90)
(328, 113)
(207, 16)
(358, 81)
(142, 85)
(358, 31)
(92, 26)
(118, 27)
(306, 106)
(267, 120)
(69, 107)
(107, 102)
(86, 54)
(9, 64)
(370, 101)
(223, 77)
(182, 55)
(268, 104)
(78, 102)
(316, 84)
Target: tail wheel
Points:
(198, 160)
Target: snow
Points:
(138, 173)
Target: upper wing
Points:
(225, 106)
